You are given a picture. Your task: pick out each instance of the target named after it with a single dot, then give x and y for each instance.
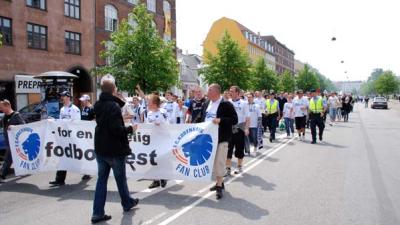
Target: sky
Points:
(367, 31)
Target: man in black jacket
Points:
(111, 147)
(11, 118)
(222, 113)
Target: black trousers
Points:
(61, 175)
(316, 121)
(264, 122)
(272, 124)
(237, 142)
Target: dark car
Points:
(2, 140)
(379, 102)
(45, 109)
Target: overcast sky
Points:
(367, 31)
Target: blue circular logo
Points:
(193, 147)
(29, 142)
(198, 150)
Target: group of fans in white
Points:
(243, 120)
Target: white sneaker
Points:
(303, 138)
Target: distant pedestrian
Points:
(288, 116)
(366, 100)
(317, 108)
(333, 104)
(273, 115)
(300, 106)
(11, 118)
(255, 120)
(111, 147)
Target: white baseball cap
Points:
(84, 98)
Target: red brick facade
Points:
(123, 9)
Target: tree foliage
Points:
(386, 83)
(287, 82)
(140, 56)
(307, 79)
(263, 77)
(1, 40)
(230, 66)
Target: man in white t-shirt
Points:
(333, 102)
(240, 130)
(68, 112)
(255, 120)
(171, 107)
(300, 106)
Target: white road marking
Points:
(259, 159)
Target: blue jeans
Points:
(332, 113)
(253, 136)
(289, 125)
(105, 164)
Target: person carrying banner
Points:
(240, 130)
(68, 112)
(87, 113)
(222, 113)
(11, 118)
(111, 147)
(156, 116)
(171, 107)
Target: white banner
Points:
(182, 152)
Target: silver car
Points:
(379, 102)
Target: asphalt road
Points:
(352, 178)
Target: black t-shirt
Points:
(87, 113)
(195, 109)
(282, 102)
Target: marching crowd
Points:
(244, 118)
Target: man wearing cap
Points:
(68, 112)
(273, 114)
(317, 107)
(87, 114)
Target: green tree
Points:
(307, 79)
(140, 56)
(230, 66)
(387, 83)
(263, 77)
(287, 82)
(1, 40)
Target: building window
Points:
(6, 30)
(109, 45)
(72, 42)
(132, 22)
(37, 36)
(111, 18)
(133, 1)
(151, 5)
(39, 4)
(166, 7)
(72, 8)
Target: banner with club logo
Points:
(170, 151)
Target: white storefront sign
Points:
(25, 84)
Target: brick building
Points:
(284, 57)
(41, 36)
(110, 12)
(64, 35)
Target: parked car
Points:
(34, 112)
(2, 140)
(379, 102)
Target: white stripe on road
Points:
(259, 159)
